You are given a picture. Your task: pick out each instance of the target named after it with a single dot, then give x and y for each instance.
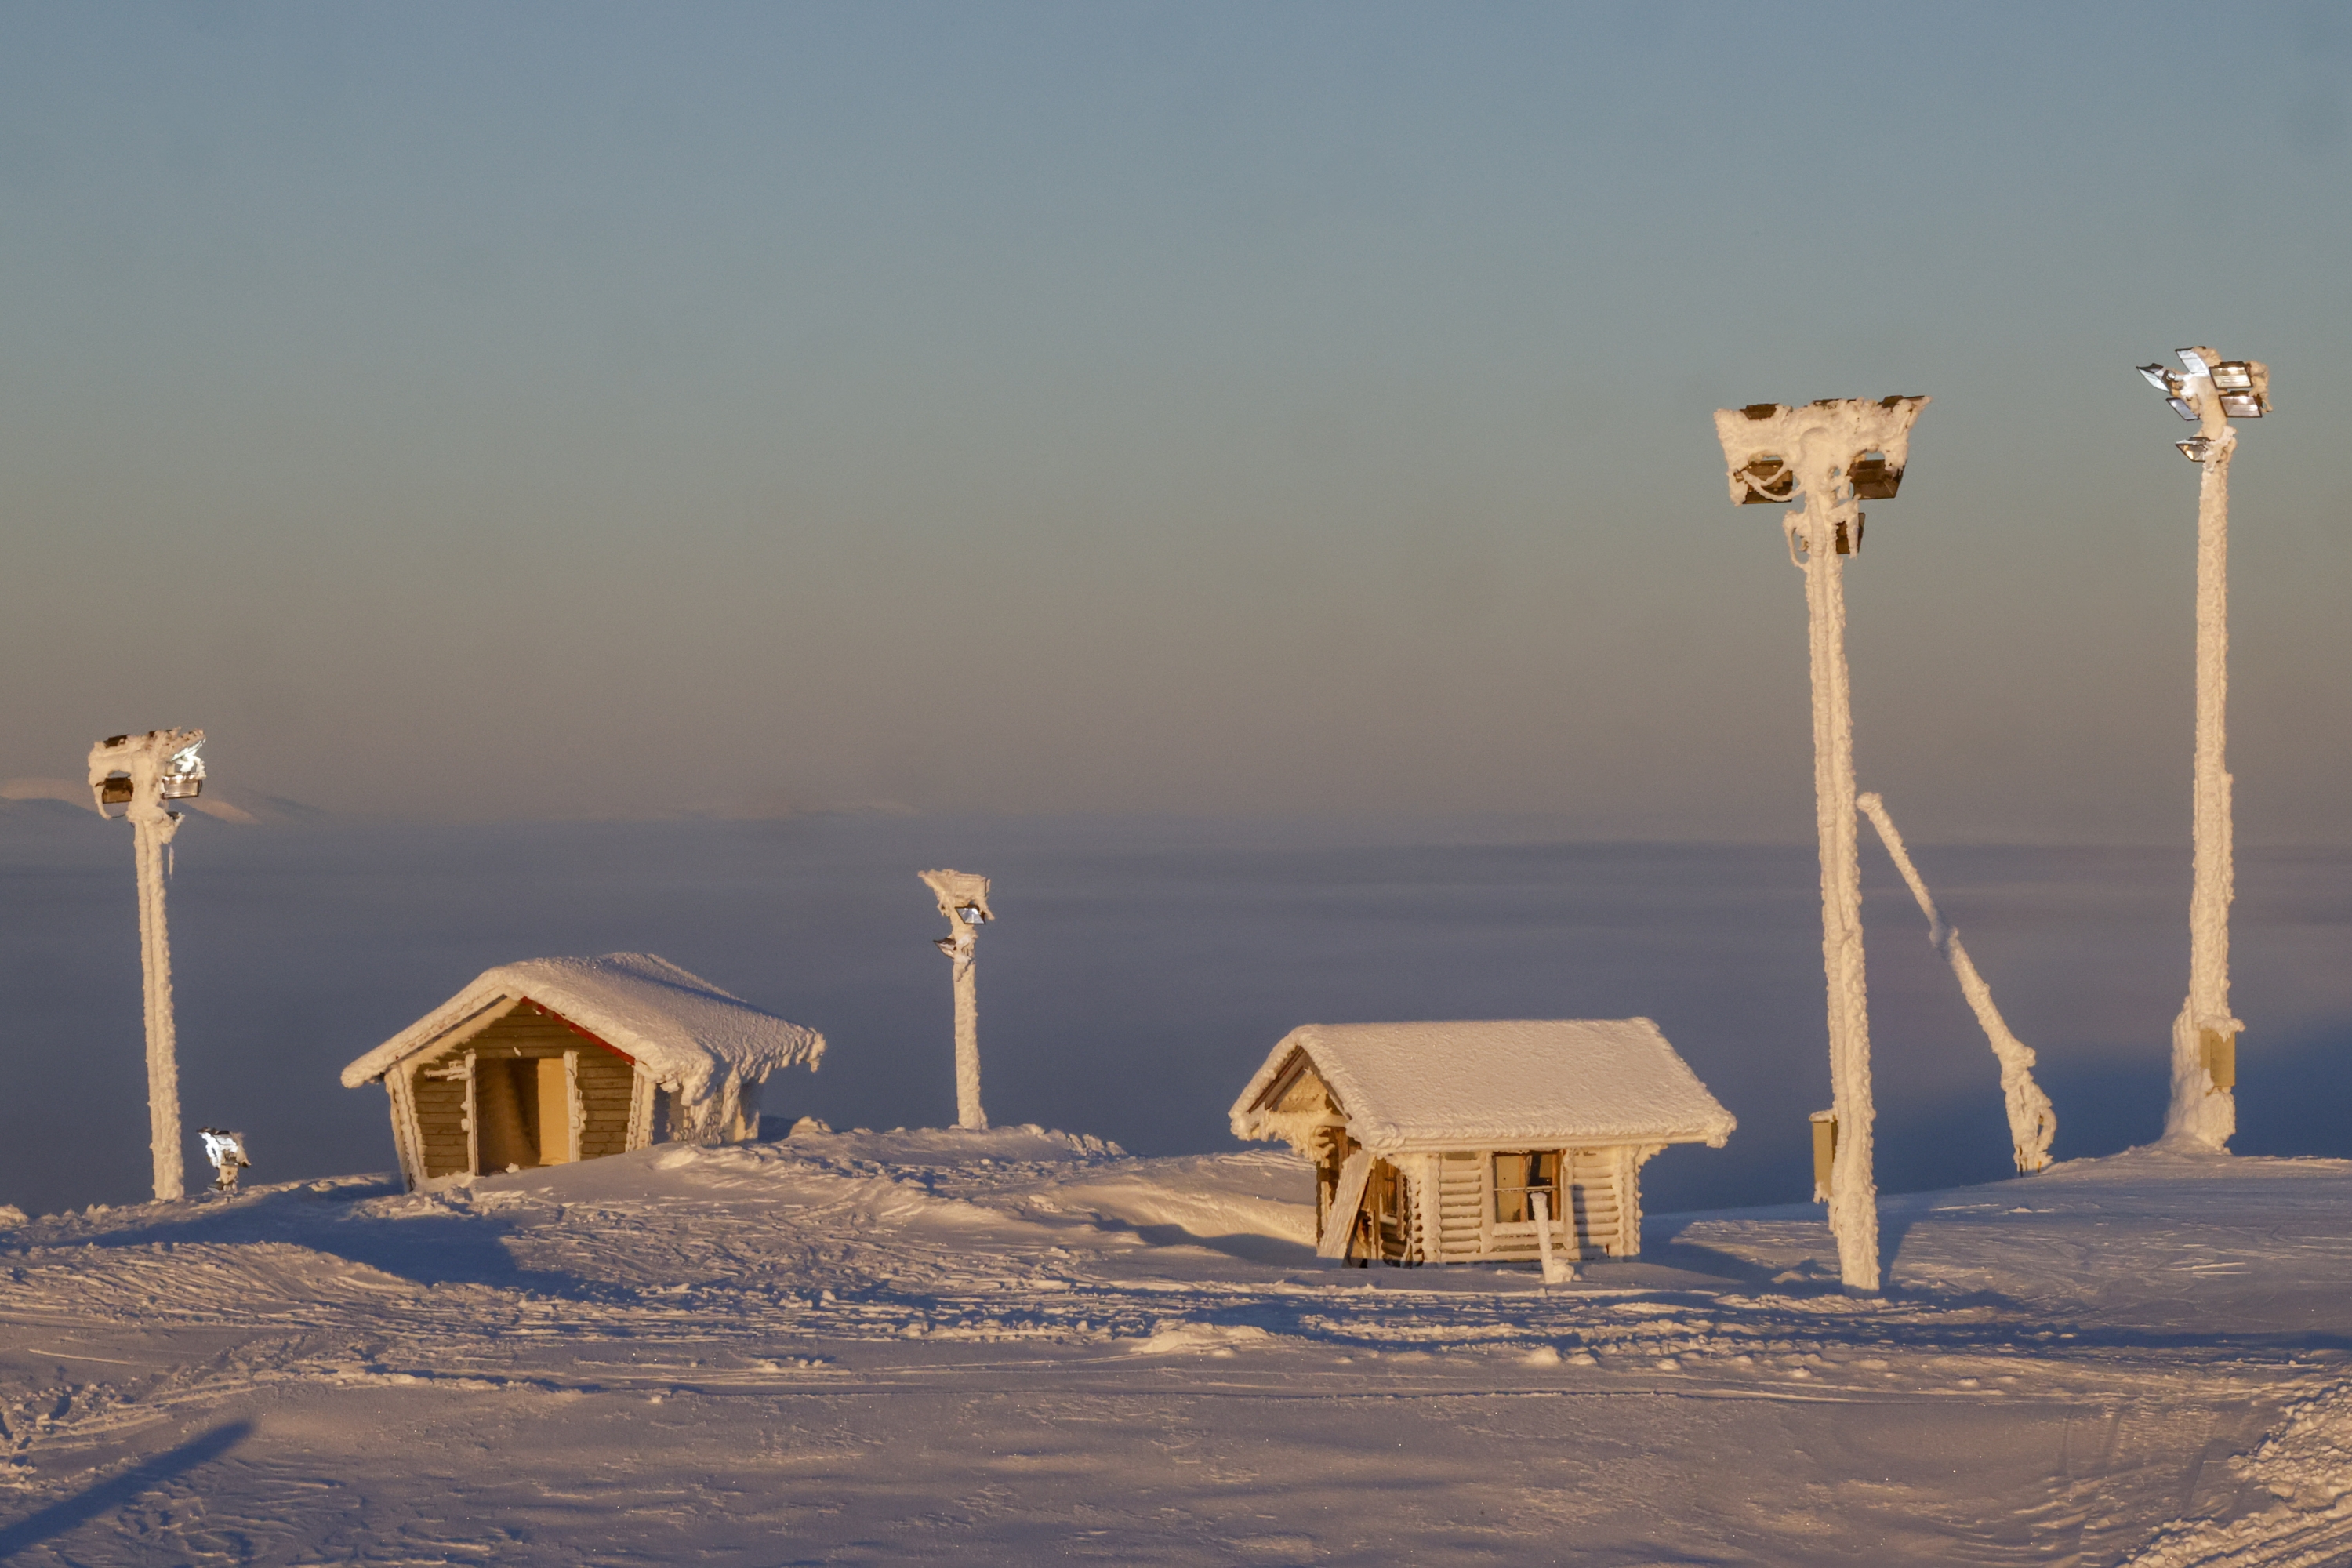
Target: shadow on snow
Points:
(120, 1490)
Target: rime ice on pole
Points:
(2210, 391)
(964, 899)
(2032, 1122)
(1827, 458)
(131, 777)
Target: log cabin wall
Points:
(441, 1090)
(526, 1090)
(1478, 1218)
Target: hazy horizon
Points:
(1138, 972)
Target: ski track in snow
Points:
(1016, 1346)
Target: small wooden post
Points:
(1824, 1153)
(473, 1121)
(2218, 1052)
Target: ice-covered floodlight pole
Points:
(964, 899)
(2211, 391)
(1829, 456)
(137, 773)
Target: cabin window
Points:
(1518, 1174)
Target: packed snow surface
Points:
(1020, 1346)
(1500, 1084)
(686, 1031)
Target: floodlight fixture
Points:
(2209, 391)
(1873, 479)
(182, 775)
(1833, 450)
(1768, 481)
(138, 772)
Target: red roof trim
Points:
(576, 1029)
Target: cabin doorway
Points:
(523, 1111)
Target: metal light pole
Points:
(137, 773)
(964, 899)
(2210, 391)
(1830, 456)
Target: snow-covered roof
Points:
(686, 1031)
(1510, 1083)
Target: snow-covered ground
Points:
(1017, 1346)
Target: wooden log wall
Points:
(1602, 1200)
(455, 1093)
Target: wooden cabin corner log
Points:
(407, 1140)
(641, 1110)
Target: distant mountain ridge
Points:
(41, 797)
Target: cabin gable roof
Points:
(1489, 1084)
(687, 1033)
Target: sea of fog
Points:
(1138, 972)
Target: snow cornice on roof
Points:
(1495, 1084)
(687, 1033)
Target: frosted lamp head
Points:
(133, 775)
(2157, 376)
(2200, 360)
(2233, 375)
(962, 896)
(2241, 406)
(2181, 406)
(1775, 453)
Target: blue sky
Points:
(483, 411)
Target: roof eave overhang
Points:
(1523, 1138)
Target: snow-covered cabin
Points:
(557, 1059)
(1430, 1141)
